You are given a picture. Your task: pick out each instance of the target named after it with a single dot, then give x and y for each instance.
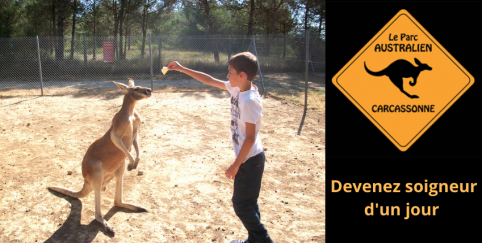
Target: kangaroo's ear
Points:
(130, 82)
(121, 86)
(417, 62)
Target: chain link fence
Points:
(32, 66)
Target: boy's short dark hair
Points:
(245, 62)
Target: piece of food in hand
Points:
(164, 70)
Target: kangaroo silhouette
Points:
(400, 69)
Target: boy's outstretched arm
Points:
(200, 76)
(243, 152)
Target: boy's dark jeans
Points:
(247, 184)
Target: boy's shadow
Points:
(72, 231)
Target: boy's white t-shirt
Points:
(245, 107)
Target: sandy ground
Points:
(185, 143)
(288, 86)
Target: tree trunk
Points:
(211, 30)
(72, 43)
(128, 32)
(275, 10)
(321, 11)
(251, 18)
(268, 40)
(116, 25)
(273, 24)
(95, 44)
(127, 25)
(59, 53)
(54, 31)
(121, 20)
(284, 39)
(319, 26)
(144, 30)
(125, 41)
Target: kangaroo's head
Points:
(135, 92)
(422, 66)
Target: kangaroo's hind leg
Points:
(119, 176)
(107, 179)
(398, 81)
(410, 96)
(97, 179)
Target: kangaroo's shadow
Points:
(72, 231)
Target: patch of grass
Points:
(315, 101)
(291, 86)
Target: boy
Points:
(247, 169)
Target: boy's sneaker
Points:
(247, 241)
(240, 241)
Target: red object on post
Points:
(108, 49)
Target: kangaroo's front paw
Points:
(130, 167)
(137, 161)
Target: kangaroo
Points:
(105, 157)
(401, 69)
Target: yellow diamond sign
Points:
(403, 80)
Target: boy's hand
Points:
(232, 171)
(175, 66)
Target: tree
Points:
(121, 21)
(72, 44)
(116, 25)
(267, 14)
(269, 11)
(286, 24)
(53, 4)
(252, 9)
(247, 7)
(312, 12)
(94, 8)
(138, 17)
(7, 18)
(59, 51)
(202, 11)
(210, 21)
(145, 18)
(127, 25)
(320, 10)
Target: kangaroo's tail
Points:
(79, 194)
(373, 73)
